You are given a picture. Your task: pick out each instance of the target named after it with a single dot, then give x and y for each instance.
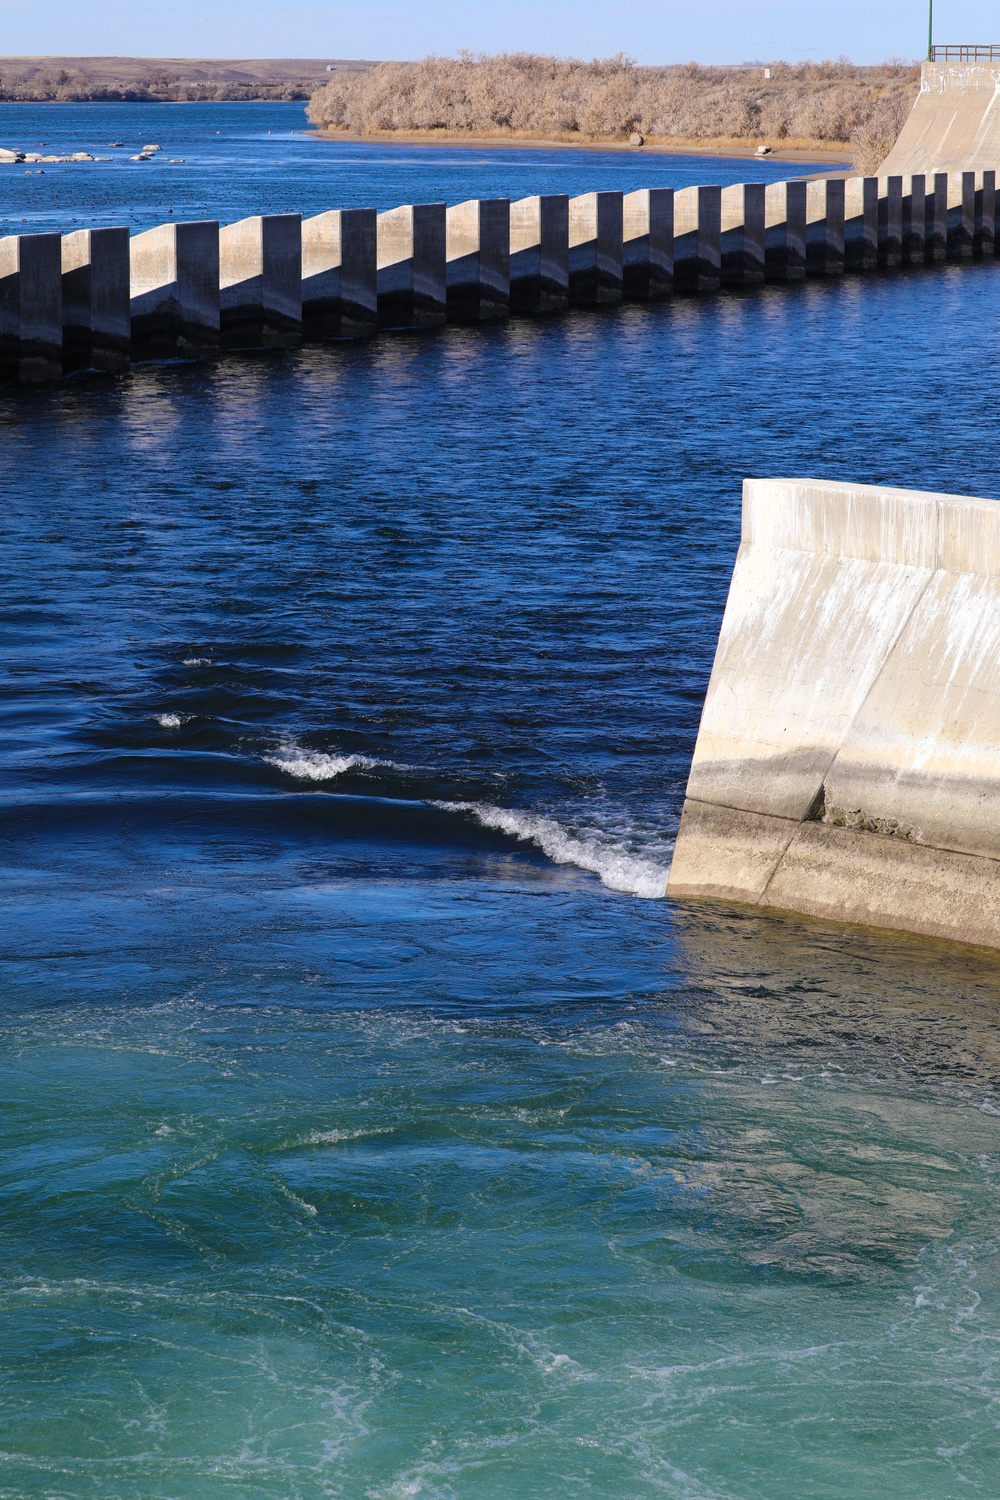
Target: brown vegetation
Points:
(138, 79)
(520, 94)
(875, 136)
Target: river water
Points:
(371, 1127)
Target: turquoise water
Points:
(371, 1126)
(735, 1236)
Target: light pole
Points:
(930, 30)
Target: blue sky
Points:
(651, 30)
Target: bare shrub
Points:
(876, 134)
(824, 102)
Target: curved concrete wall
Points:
(848, 760)
(954, 125)
(187, 289)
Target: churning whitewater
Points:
(618, 866)
(362, 1135)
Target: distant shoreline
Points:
(658, 145)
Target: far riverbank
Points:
(230, 161)
(840, 154)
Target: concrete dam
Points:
(955, 121)
(848, 760)
(99, 299)
(846, 765)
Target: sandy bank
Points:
(791, 151)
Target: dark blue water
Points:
(231, 160)
(371, 1126)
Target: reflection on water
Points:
(910, 1010)
(369, 1127)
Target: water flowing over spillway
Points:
(368, 1128)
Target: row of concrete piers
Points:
(100, 299)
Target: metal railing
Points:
(967, 52)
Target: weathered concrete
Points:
(936, 230)
(961, 215)
(825, 227)
(914, 219)
(861, 224)
(595, 249)
(698, 239)
(986, 214)
(339, 274)
(848, 760)
(419, 264)
(648, 244)
(539, 254)
(954, 125)
(785, 230)
(260, 282)
(412, 266)
(96, 322)
(890, 221)
(30, 308)
(742, 223)
(477, 251)
(175, 291)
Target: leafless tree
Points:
(526, 94)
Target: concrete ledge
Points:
(961, 215)
(725, 853)
(478, 260)
(852, 720)
(936, 221)
(861, 216)
(914, 219)
(884, 882)
(96, 331)
(698, 239)
(825, 210)
(785, 230)
(984, 234)
(595, 249)
(539, 254)
(269, 280)
(890, 221)
(648, 244)
(174, 275)
(836, 873)
(743, 215)
(30, 308)
(339, 274)
(260, 282)
(412, 266)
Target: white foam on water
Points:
(197, 661)
(616, 866)
(333, 1137)
(171, 721)
(314, 765)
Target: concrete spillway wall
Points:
(848, 760)
(96, 299)
(954, 125)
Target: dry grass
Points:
(165, 78)
(521, 94)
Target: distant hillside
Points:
(167, 78)
(807, 104)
